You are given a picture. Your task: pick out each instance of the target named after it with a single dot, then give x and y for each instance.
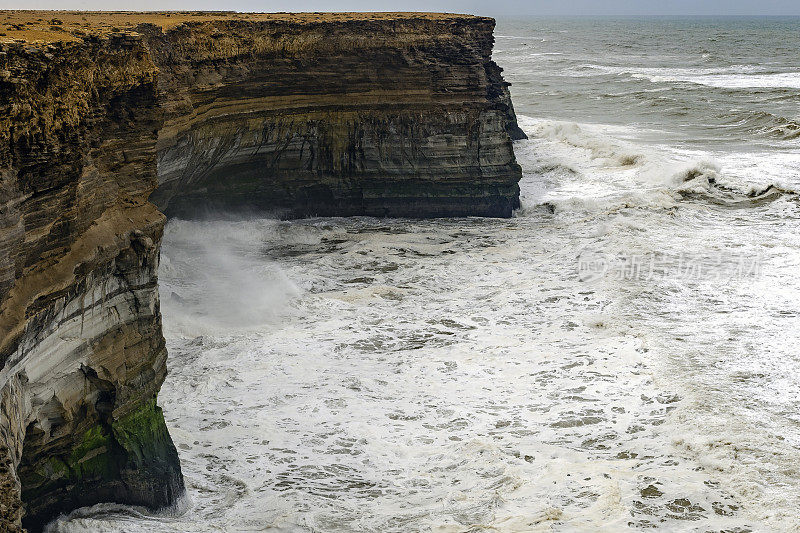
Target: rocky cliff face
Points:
(396, 114)
(408, 117)
(82, 351)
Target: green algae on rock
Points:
(131, 461)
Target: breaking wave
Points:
(731, 77)
(212, 267)
(596, 169)
(765, 123)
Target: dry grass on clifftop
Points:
(54, 26)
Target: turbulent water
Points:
(623, 354)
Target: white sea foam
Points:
(595, 167)
(443, 375)
(731, 77)
(782, 80)
(461, 375)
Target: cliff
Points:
(400, 117)
(376, 114)
(82, 352)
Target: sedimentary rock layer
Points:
(81, 351)
(347, 114)
(407, 117)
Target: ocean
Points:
(623, 354)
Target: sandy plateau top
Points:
(52, 26)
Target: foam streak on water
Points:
(466, 375)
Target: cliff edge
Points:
(110, 119)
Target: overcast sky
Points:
(501, 8)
